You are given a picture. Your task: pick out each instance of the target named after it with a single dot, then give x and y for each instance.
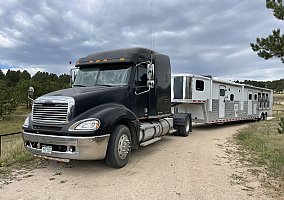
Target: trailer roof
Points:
(224, 82)
(130, 55)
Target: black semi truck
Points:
(120, 100)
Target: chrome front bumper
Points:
(64, 148)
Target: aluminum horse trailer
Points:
(210, 100)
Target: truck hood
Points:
(90, 97)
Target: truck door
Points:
(250, 102)
(140, 101)
(222, 101)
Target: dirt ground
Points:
(195, 167)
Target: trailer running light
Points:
(90, 124)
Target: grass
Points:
(278, 96)
(13, 123)
(12, 151)
(265, 147)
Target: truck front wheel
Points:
(119, 147)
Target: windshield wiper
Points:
(78, 85)
(104, 85)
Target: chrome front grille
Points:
(52, 110)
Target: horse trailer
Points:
(210, 100)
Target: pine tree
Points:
(273, 45)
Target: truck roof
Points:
(130, 55)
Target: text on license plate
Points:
(46, 149)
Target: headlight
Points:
(26, 123)
(90, 124)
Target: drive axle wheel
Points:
(119, 147)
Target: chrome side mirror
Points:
(151, 75)
(73, 74)
(31, 91)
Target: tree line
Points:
(14, 87)
(276, 85)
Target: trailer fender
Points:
(182, 123)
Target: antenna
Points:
(70, 73)
(152, 34)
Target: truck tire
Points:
(184, 130)
(119, 147)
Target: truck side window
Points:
(141, 76)
(199, 85)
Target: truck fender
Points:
(110, 115)
(179, 120)
(115, 115)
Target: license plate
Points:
(46, 149)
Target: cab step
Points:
(150, 141)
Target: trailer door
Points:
(250, 102)
(222, 92)
(255, 103)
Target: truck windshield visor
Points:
(111, 75)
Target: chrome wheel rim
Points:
(123, 146)
(187, 126)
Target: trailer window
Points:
(178, 87)
(232, 97)
(199, 85)
(250, 96)
(222, 92)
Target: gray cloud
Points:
(201, 37)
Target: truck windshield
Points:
(112, 76)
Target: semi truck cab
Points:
(120, 100)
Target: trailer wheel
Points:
(264, 116)
(119, 147)
(185, 129)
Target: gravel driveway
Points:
(194, 167)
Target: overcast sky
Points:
(206, 37)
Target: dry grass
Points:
(266, 148)
(13, 151)
(14, 122)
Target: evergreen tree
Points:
(2, 75)
(12, 78)
(25, 75)
(273, 45)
